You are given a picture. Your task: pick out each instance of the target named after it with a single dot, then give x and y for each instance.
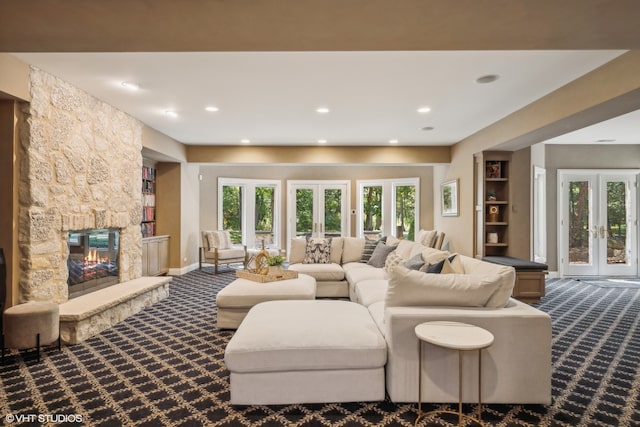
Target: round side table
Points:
(454, 336)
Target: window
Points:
(388, 207)
(249, 209)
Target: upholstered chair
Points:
(217, 249)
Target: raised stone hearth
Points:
(88, 315)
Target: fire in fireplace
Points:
(93, 260)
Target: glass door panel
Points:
(372, 211)
(304, 212)
(405, 211)
(333, 208)
(232, 210)
(580, 242)
(264, 217)
(618, 243)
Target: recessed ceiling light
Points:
(171, 113)
(322, 110)
(423, 110)
(428, 128)
(212, 108)
(393, 141)
(606, 140)
(322, 141)
(489, 78)
(130, 85)
(245, 141)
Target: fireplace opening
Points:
(93, 260)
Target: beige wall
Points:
(610, 90)
(520, 176)
(210, 174)
(579, 157)
(190, 202)
(14, 77)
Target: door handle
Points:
(603, 232)
(595, 231)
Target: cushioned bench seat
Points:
(287, 352)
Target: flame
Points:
(92, 256)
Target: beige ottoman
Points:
(288, 352)
(237, 298)
(31, 325)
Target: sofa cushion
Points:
(370, 291)
(415, 288)
(355, 275)
(404, 248)
(336, 249)
(427, 238)
(352, 248)
(380, 254)
(321, 272)
(432, 256)
(223, 254)
(317, 251)
(505, 275)
(297, 250)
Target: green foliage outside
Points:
(406, 211)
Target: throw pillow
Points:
(380, 254)
(318, 251)
(414, 263)
(392, 260)
(452, 265)
(415, 288)
(437, 268)
(369, 247)
(225, 239)
(209, 240)
(427, 237)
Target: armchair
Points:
(217, 249)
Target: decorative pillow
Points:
(352, 249)
(427, 237)
(297, 250)
(415, 288)
(369, 246)
(209, 240)
(225, 239)
(392, 260)
(380, 254)
(437, 267)
(318, 251)
(452, 265)
(414, 263)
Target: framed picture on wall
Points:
(449, 198)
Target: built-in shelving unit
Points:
(496, 204)
(148, 224)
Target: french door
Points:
(318, 208)
(597, 223)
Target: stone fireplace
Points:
(81, 170)
(93, 260)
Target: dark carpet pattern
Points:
(164, 367)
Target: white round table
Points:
(455, 336)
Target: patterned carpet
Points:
(164, 367)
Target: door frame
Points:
(596, 175)
(319, 184)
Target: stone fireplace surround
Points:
(81, 168)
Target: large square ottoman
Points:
(288, 352)
(234, 300)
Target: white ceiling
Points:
(623, 129)
(270, 98)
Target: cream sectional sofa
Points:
(515, 369)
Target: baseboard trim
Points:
(183, 270)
